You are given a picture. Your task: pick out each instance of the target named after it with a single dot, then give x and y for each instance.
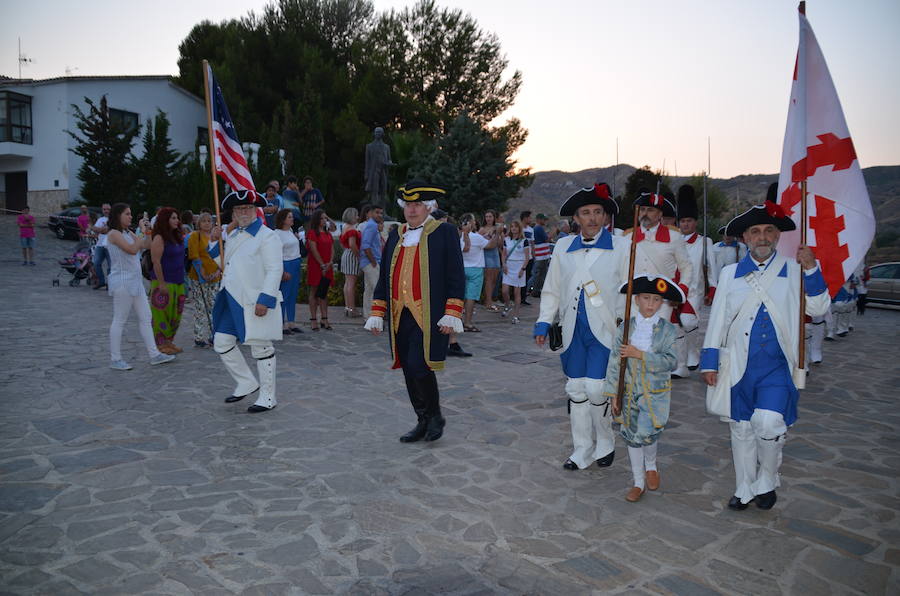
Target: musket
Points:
(705, 262)
(623, 362)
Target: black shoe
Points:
(435, 429)
(735, 503)
(844, 334)
(255, 409)
(766, 500)
(829, 339)
(233, 398)
(607, 460)
(525, 303)
(693, 367)
(417, 433)
(570, 465)
(456, 350)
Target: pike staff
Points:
(623, 362)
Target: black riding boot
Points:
(419, 406)
(429, 390)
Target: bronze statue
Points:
(378, 159)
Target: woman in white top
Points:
(516, 254)
(290, 279)
(126, 286)
(472, 244)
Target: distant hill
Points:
(551, 188)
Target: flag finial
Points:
(802, 7)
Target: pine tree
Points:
(156, 170)
(105, 146)
(473, 164)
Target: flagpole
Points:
(212, 160)
(705, 263)
(800, 380)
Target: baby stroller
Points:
(80, 265)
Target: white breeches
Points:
(122, 305)
(590, 416)
(756, 446)
(815, 337)
(264, 353)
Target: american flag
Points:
(230, 162)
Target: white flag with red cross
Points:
(818, 149)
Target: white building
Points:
(37, 166)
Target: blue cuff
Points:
(266, 300)
(214, 251)
(709, 359)
(814, 283)
(541, 329)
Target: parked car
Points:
(884, 283)
(65, 223)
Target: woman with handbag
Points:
(204, 275)
(167, 294)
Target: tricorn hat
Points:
(767, 213)
(598, 195)
(417, 190)
(649, 199)
(687, 203)
(242, 197)
(661, 285)
(772, 193)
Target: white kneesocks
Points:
(650, 456)
(636, 455)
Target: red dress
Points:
(324, 244)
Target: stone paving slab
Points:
(145, 482)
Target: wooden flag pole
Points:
(212, 161)
(801, 352)
(623, 362)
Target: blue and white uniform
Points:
(251, 276)
(582, 290)
(755, 316)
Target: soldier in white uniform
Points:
(750, 353)
(701, 285)
(727, 252)
(582, 291)
(660, 248)
(248, 307)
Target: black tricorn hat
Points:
(242, 197)
(661, 285)
(772, 193)
(649, 199)
(767, 213)
(687, 202)
(598, 195)
(417, 190)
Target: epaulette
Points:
(626, 232)
(676, 229)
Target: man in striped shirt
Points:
(541, 256)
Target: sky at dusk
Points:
(661, 76)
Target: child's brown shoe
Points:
(652, 479)
(634, 494)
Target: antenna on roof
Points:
(23, 59)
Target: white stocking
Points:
(650, 456)
(636, 455)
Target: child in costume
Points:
(651, 358)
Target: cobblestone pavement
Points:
(146, 482)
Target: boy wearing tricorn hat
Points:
(247, 308)
(650, 354)
(420, 296)
(750, 354)
(581, 290)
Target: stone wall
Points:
(43, 202)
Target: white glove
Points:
(374, 323)
(689, 322)
(453, 322)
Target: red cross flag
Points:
(818, 149)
